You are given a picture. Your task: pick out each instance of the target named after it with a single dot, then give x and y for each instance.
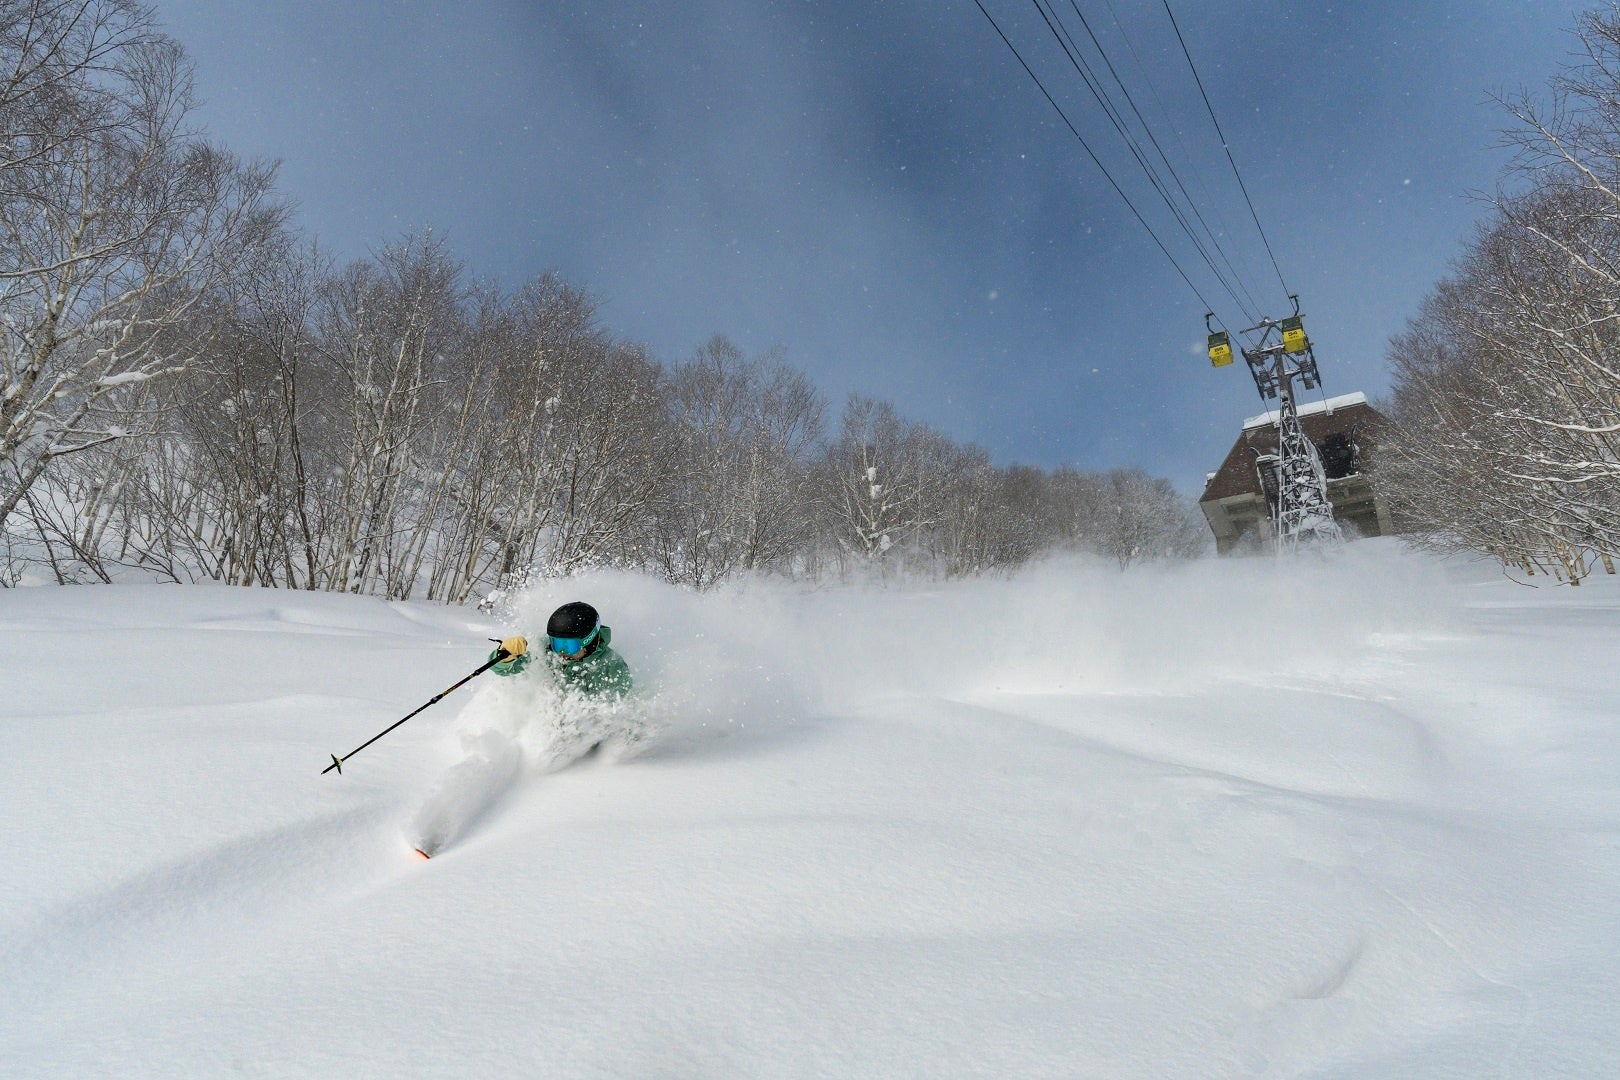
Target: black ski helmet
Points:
(574, 620)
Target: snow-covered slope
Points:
(1356, 820)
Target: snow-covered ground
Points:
(1355, 819)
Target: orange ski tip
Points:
(420, 853)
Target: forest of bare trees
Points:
(191, 390)
(1505, 411)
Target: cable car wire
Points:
(1230, 160)
(1147, 129)
(1164, 114)
(1093, 83)
(1092, 154)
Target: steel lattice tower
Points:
(1281, 354)
(1303, 511)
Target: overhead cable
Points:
(1092, 154)
(1164, 112)
(1147, 129)
(1093, 83)
(1230, 160)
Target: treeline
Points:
(191, 391)
(1505, 412)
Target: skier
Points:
(580, 662)
(578, 657)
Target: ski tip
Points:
(420, 854)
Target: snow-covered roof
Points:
(1309, 409)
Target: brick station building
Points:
(1237, 505)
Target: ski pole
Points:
(337, 762)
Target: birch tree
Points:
(1505, 433)
(116, 218)
(880, 493)
(741, 434)
(572, 461)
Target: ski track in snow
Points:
(1074, 824)
(223, 892)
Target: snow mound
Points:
(1350, 817)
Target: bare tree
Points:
(880, 481)
(384, 327)
(741, 434)
(1506, 408)
(569, 463)
(115, 217)
(1505, 433)
(1142, 519)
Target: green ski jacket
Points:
(600, 674)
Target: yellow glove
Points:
(515, 646)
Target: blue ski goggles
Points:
(570, 646)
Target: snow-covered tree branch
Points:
(115, 220)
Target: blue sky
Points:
(879, 189)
